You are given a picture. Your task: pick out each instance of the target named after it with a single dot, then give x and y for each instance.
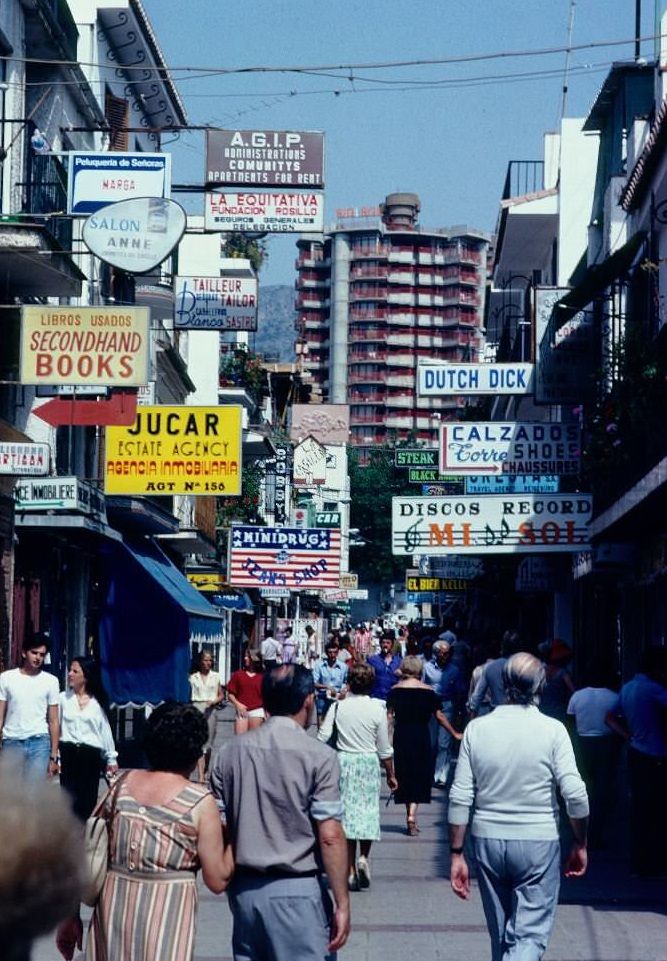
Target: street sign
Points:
(119, 409)
(327, 519)
(441, 379)
(420, 457)
(491, 524)
(520, 447)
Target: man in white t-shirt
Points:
(29, 719)
(271, 651)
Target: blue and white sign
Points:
(215, 303)
(97, 179)
(509, 447)
(440, 379)
(512, 484)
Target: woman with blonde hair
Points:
(362, 738)
(412, 705)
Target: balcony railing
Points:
(46, 193)
(523, 177)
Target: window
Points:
(116, 110)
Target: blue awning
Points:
(151, 615)
(229, 601)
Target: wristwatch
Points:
(53, 759)
(456, 850)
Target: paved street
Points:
(410, 912)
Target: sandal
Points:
(413, 830)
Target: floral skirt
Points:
(360, 793)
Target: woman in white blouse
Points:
(86, 741)
(363, 745)
(206, 693)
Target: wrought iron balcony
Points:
(46, 194)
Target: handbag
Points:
(97, 834)
(332, 740)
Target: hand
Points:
(340, 929)
(52, 769)
(459, 877)
(112, 769)
(577, 861)
(457, 736)
(69, 935)
(241, 709)
(392, 783)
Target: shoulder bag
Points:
(332, 740)
(97, 835)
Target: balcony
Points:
(310, 283)
(369, 271)
(401, 277)
(312, 262)
(400, 380)
(372, 377)
(370, 356)
(401, 360)
(396, 421)
(523, 177)
(368, 417)
(404, 401)
(401, 340)
(401, 256)
(367, 334)
(359, 314)
(378, 252)
(309, 302)
(377, 293)
(370, 397)
(400, 298)
(400, 320)
(46, 193)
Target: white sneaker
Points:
(364, 873)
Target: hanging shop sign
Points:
(97, 179)
(512, 484)
(349, 581)
(327, 423)
(419, 457)
(491, 524)
(420, 583)
(19, 459)
(344, 595)
(563, 373)
(176, 450)
(297, 212)
(207, 581)
(327, 519)
(135, 235)
(264, 158)
(215, 303)
(440, 379)
(84, 345)
(510, 448)
(463, 568)
(60, 495)
(425, 475)
(310, 463)
(283, 466)
(307, 559)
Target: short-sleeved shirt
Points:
(204, 687)
(271, 784)
(333, 676)
(590, 706)
(385, 674)
(643, 703)
(246, 688)
(271, 649)
(28, 698)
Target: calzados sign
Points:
(491, 524)
(510, 448)
(307, 558)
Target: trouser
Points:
(80, 769)
(518, 883)
(648, 790)
(280, 919)
(443, 743)
(598, 758)
(31, 754)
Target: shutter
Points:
(116, 111)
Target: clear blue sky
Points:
(451, 146)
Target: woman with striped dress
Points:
(164, 828)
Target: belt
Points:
(182, 877)
(272, 874)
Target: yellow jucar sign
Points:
(176, 450)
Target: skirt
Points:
(360, 793)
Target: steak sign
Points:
(491, 524)
(510, 448)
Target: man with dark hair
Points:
(490, 686)
(330, 678)
(29, 712)
(386, 665)
(278, 793)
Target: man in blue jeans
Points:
(29, 714)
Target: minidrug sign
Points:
(510, 448)
(491, 524)
(296, 212)
(307, 559)
(103, 346)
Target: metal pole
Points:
(638, 27)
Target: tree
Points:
(253, 249)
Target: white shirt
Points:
(589, 707)
(204, 687)
(510, 763)
(28, 698)
(270, 649)
(86, 725)
(362, 726)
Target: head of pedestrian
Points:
(332, 650)
(288, 691)
(442, 651)
(523, 677)
(204, 662)
(387, 642)
(448, 636)
(174, 738)
(411, 667)
(84, 676)
(252, 662)
(361, 679)
(34, 649)
(511, 643)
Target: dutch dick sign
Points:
(440, 379)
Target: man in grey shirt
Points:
(490, 685)
(277, 789)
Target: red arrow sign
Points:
(119, 409)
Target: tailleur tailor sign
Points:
(18, 459)
(491, 524)
(98, 179)
(299, 558)
(296, 212)
(100, 346)
(176, 450)
(215, 303)
(135, 235)
(439, 379)
(264, 158)
(510, 448)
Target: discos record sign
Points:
(135, 235)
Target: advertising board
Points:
(176, 450)
(441, 379)
(296, 212)
(512, 484)
(418, 457)
(491, 524)
(97, 179)
(264, 158)
(520, 447)
(299, 558)
(310, 463)
(419, 583)
(135, 235)
(17, 459)
(215, 303)
(84, 345)
(327, 423)
(563, 351)
(60, 495)
(464, 568)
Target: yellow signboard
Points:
(98, 346)
(208, 581)
(176, 450)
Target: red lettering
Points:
(547, 528)
(43, 365)
(526, 533)
(104, 366)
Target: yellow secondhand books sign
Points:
(176, 450)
